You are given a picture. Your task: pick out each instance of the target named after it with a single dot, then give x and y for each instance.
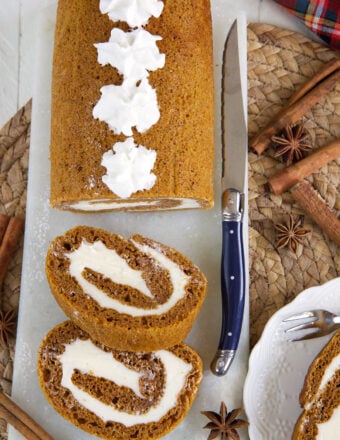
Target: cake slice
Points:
(130, 294)
(117, 395)
(320, 396)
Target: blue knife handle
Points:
(232, 285)
(232, 282)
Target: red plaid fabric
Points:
(321, 16)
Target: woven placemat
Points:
(14, 150)
(279, 62)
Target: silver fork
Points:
(322, 321)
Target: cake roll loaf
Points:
(320, 396)
(130, 294)
(132, 106)
(113, 394)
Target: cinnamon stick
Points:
(4, 220)
(325, 71)
(20, 420)
(304, 194)
(293, 174)
(290, 114)
(10, 233)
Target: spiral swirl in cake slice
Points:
(114, 394)
(130, 294)
(320, 396)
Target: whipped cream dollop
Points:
(128, 105)
(87, 358)
(128, 168)
(134, 12)
(133, 53)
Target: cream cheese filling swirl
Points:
(84, 356)
(107, 262)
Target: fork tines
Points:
(302, 315)
(310, 324)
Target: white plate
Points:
(277, 367)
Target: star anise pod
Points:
(7, 325)
(224, 424)
(292, 143)
(291, 233)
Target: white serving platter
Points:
(277, 367)
(195, 233)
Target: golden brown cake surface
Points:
(146, 295)
(320, 395)
(183, 136)
(127, 401)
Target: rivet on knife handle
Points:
(232, 281)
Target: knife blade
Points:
(233, 183)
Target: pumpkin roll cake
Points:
(320, 396)
(132, 106)
(130, 294)
(114, 394)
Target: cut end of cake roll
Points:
(131, 294)
(142, 203)
(127, 136)
(113, 394)
(320, 396)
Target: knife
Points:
(234, 174)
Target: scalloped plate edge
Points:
(256, 428)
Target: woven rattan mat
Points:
(14, 149)
(278, 62)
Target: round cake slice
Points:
(114, 394)
(130, 294)
(320, 396)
